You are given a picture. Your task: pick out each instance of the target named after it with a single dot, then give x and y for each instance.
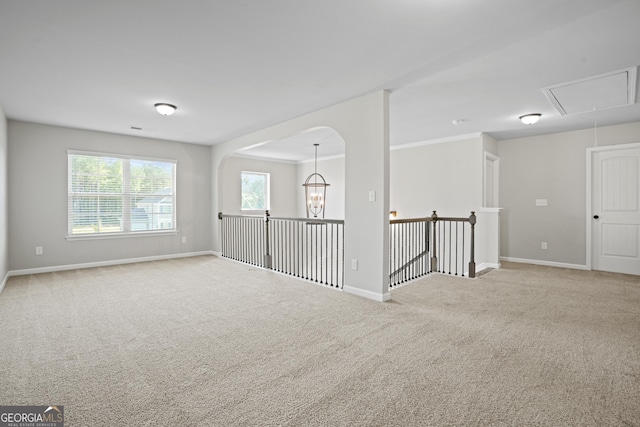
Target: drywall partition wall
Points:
(282, 177)
(552, 168)
(367, 200)
(38, 197)
(4, 200)
(489, 144)
(333, 172)
(363, 125)
(444, 176)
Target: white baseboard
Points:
(545, 263)
(485, 265)
(54, 268)
(367, 294)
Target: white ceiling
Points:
(233, 67)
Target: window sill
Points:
(122, 235)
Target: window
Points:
(112, 194)
(255, 191)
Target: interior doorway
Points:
(614, 208)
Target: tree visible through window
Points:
(255, 191)
(112, 194)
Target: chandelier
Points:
(315, 191)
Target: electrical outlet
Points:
(543, 245)
(354, 264)
(184, 239)
(39, 250)
(372, 196)
(541, 202)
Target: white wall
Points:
(38, 197)
(283, 183)
(551, 167)
(445, 176)
(4, 200)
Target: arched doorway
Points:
(285, 163)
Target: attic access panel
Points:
(610, 90)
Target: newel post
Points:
(267, 255)
(223, 247)
(434, 255)
(472, 261)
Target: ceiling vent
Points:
(610, 90)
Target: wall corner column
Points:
(367, 201)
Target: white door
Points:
(616, 210)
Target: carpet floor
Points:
(204, 341)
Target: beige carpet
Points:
(208, 342)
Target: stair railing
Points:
(311, 249)
(419, 246)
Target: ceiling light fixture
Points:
(165, 109)
(530, 119)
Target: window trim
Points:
(126, 213)
(267, 196)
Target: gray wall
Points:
(4, 199)
(37, 166)
(551, 167)
(283, 186)
(446, 177)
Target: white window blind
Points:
(111, 194)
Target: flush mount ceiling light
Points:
(530, 119)
(165, 109)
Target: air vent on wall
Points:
(139, 128)
(610, 90)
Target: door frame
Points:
(590, 155)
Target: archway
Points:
(287, 162)
(363, 124)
